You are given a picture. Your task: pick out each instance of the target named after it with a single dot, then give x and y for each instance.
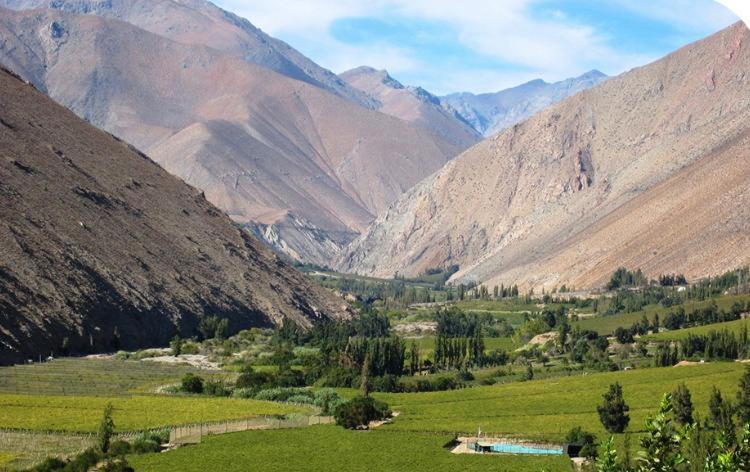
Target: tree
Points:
(720, 414)
(176, 345)
(529, 375)
(106, 429)
(360, 411)
(662, 442)
(414, 359)
(365, 385)
(683, 405)
(613, 412)
(743, 398)
(607, 461)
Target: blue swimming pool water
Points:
(505, 448)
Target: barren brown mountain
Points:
(102, 246)
(648, 170)
(412, 104)
(305, 168)
(200, 22)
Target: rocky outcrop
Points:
(104, 248)
(646, 170)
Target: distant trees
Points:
(613, 412)
(458, 339)
(213, 327)
(623, 278)
(191, 383)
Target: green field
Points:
(330, 448)
(90, 377)
(547, 409)
(539, 409)
(608, 324)
(82, 414)
(732, 326)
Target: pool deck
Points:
(464, 441)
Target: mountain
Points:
(200, 22)
(490, 113)
(304, 168)
(648, 170)
(102, 246)
(412, 104)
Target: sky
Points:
(480, 46)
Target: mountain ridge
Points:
(506, 210)
(105, 248)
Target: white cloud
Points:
(740, 7)
(505, 31)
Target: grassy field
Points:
(733, 326)
(90, 377)
(327, 448)
(547, 409)
(540, 409)
(608, 324)
(82, 414)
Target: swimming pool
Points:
(508, 448)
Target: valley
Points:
(218, 254)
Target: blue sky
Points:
(480, 45)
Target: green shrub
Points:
(215, 388)
(303, 399)
(327, 400)
(586, 440)
(192, 383)
(281, 394)
(119, 448)
(359, 411)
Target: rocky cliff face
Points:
(647, 170)
(265, 148)
(490, 113)
(412, 104)
(102, 246)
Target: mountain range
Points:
(302, 166)
(490, 113)
(648, 169)
(104, 248)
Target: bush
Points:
(359, 411)
(281, 394)
(327, 400)
(192, 383)
(586, 440)
(216, 389)
(119, 448)
(251, 379)
(49, 465)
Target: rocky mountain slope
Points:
(102, 246)
(490, 113)
(200, 22)
(304, 168)
(649, 170)
(412, 104)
